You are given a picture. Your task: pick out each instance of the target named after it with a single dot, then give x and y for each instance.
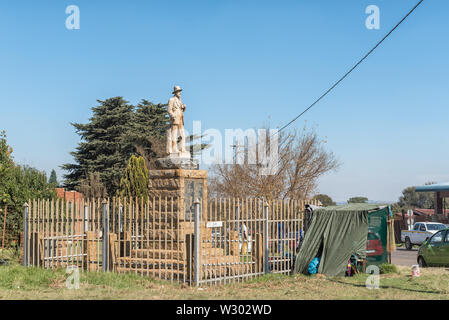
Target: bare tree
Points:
(158, 148)
(92, 187)
(301, 160)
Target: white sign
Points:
(214, 224)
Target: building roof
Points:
(434, 187)
(355, 207)
(428, 212)
(61, 193)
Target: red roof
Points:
(428, 212)
(68, 195)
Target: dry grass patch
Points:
(17, 282)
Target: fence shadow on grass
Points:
(386, 287)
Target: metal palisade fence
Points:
(207, 242)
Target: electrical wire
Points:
(353, 68)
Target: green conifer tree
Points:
(53, 180)
(102, 148)
(115, 132)
(134, 182)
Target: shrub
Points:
(134, 182)
(388, 268)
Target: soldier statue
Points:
(176, 132)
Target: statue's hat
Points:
(176, 89)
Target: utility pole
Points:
(235, 147)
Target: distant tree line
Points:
(327, 201)
(411, 199)
(358, 200)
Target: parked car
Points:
(420, 232)
(374, 245)
(435, 250)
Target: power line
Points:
(353, 68)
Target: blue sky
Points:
(241, 64)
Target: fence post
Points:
(120, 218)
(86, 218)
(105, 256)
(266, 240)
(197, 239)
(25, 234)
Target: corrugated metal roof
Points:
(355, 207)
(428, 212)
(434, 187)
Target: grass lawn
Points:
(17, 282)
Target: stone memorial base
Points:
(172, 192)
(179, 178)
(174, 162)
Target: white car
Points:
(420, 232)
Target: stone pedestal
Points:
(184, 185)
(177, 163)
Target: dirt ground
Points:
(403, 257)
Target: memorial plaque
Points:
(193, 189)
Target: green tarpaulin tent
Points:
(337, 232)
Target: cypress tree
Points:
(102, 148)
(134, 182)
(53, 180)
(149, 125)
